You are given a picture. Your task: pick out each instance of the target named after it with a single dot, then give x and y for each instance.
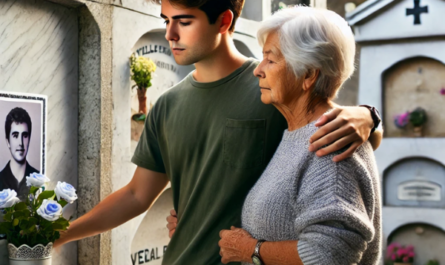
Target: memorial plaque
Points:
(418, 190)
(416, 182)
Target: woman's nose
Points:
(258, 72)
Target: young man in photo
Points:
(210, 136)
(18, 127)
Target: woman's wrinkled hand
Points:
(341, 127)
(237, 245)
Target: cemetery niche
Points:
(402, 73)
(410, 84)
(415, 182)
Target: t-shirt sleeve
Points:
(336, 209)
(148, 153)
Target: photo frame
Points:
(23, 117)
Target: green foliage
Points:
(418, 117)
(22, 225)
(141, 70)
(432, 262)
(139, 117)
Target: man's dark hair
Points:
(212, 8)
(17, 115)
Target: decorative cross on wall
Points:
(416, 11)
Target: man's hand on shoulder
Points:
(341, 127)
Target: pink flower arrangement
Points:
(398, 253)
(401, 120)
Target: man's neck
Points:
(18, 169)
(224, 61)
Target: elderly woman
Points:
(307, 209)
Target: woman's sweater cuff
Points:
(310, 254)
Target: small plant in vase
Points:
(399, 254)
(32, 226)
(418, 118)
(141, 71)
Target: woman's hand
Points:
(340, 127)
(172, 221)
(237, 245)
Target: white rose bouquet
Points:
(38, 220)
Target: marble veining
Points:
(39, 55)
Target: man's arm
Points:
(119, 207)
(341, 127)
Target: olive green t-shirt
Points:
(213, 140)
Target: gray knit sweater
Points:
(332, 209)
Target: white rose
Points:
(65, 191)
(50, 210)
(8, 198)
(36, 180)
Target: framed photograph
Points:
(22, 139)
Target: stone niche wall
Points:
(428, 241)
(412, 83)
(151, 240)
(39, 55)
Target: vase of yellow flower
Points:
(141, 70)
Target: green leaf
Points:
(33, 190)
(5, 227)
(15, 222)
(20, 206)
(58, 227)
(7, 217)
(31, 228)
(24, 224)
(62, 221)
(62, 203)
(19, 215)
(45, 223)
(26, 213)
(32, 221)
(49, 194)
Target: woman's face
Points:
(277, 83)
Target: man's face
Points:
(18, 141)
(189, 33)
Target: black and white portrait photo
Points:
(22, 139)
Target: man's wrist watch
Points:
(375, 114)
(256, 258)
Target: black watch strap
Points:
(256, 258)
(375, 114)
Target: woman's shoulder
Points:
(362, 158)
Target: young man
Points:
(210, 135)
(18, 128)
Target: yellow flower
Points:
(144, 64)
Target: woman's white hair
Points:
(313, 39)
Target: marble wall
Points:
(39, 55)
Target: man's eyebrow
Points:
(178, 16)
